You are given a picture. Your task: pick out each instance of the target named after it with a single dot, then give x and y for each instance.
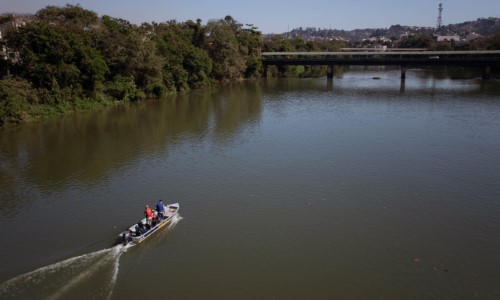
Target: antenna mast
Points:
(440, 20)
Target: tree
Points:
(16, 95)
(199, 66)
(223, 47)
(250, 43)
(487, 43)
(69, 56)
(416, 41)
(129, 51)
(55, 59)
(69, 16)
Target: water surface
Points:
(289, 188)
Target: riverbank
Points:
(14, 113)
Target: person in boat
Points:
(139, 229)
(148, 213)
(160, 208)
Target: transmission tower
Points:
(440, 20)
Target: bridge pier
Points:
(486, 72)
(403, 72)
(402, 86)
(329, 71)
(264, 71)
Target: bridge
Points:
(479, 59)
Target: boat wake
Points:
(174, 222)
(88, 276)
(91, 275)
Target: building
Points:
(11, 22)
(472, 36)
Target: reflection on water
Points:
(88, 147)
(290, 188)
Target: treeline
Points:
(491, 42)
(70, 58)
(279, 43)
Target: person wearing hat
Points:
(160, 209)
(148, 213)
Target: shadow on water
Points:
(88, 276)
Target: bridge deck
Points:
(385, 53)
(413, 58)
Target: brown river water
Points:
(354, 188)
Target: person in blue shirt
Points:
(160, 208)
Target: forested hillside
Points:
(70, 58)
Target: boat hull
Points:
(134, 235)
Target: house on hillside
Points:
(8, 22)
(472, 36)
(11, 22)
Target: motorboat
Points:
(142, 230)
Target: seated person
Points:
(139, 229)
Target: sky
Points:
(278, 16)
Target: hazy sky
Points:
(276, 16)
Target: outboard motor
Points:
(126, 236)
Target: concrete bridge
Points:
(478, 59)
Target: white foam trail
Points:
(57, 280)
(32, 276)
(174, 221)
(116, 267)
(60, 274)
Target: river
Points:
(363, 187)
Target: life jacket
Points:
(149, 213)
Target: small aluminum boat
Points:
(140, 231)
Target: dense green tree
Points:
(186, 64)
(16, 95)
(416, 41)
(69, 55)
(123, 88)
(222, 45)
(54, 59)
(250, 43)
(198, 66)
(129, 51)
(69, 16)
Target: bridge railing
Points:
(487, 59)
(383, 53)
(387, 57)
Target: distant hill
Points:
(482, 26)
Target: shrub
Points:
(16, 96)
(124, 89)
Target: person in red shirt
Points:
(148, 213)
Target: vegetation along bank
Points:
(69, 59)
